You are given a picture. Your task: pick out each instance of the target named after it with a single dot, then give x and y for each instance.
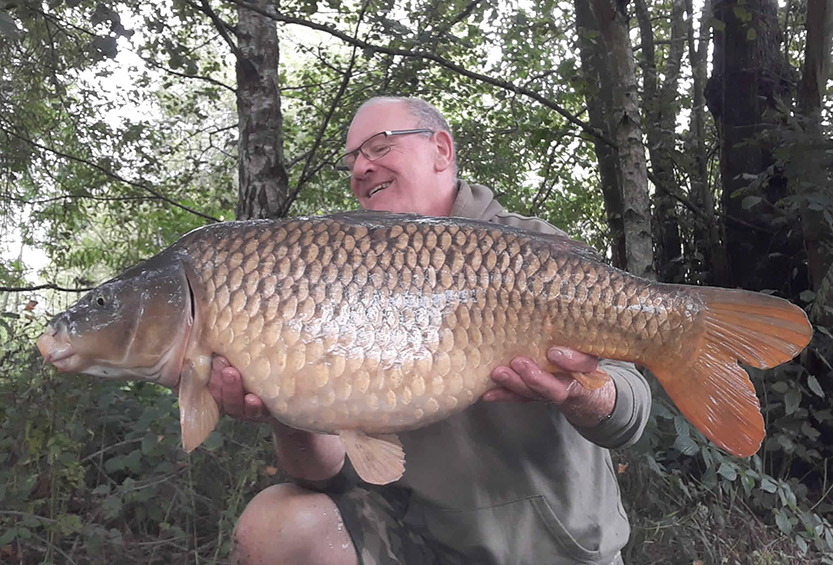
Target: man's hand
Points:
(523, 380)
(226, 386)
(304, 455)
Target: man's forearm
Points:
(308, 456)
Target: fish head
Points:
(135, 326)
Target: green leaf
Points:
(8, 536)
(750, 201)
(8, 26)
(783, 522)
(742, 13)
(213, 441)
(807, 296)
(791, 401)
(814, 385)
(69, 523)
(751, 34)
(686, 445)
(112, 506)
(727, 471)
(767, 485)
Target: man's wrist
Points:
(592, 409)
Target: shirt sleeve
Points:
(631, 411)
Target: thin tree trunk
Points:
(658, 102)
(818, 232)
(599, 102)
(706, 233)
(750, 82)
(613, 24)
(263, 177)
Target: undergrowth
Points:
(92, 471)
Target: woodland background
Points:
(689, 142)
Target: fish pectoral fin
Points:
(591, 381)
(198, 411)
(377, 459)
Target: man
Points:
(528, 481)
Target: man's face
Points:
(410, 174)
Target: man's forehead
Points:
(376, 117)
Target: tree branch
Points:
(108, 173)
(49, 286)
(163, 68)
(221, 26)
(79, 197)
(415, 54)
(306, 174)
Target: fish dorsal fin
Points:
(377, 459)
(198, 411)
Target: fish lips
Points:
(55, 347)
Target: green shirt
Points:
(516, 482)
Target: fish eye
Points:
(100, 300)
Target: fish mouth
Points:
(55, 347)
(378, 188)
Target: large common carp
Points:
(365, 324)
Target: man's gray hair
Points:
(426, 114)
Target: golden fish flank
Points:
(366, 324)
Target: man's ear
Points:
(445, 151)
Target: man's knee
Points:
(289, 524)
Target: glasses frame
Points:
(347, 170)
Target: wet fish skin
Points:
(367, 324)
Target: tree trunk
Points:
(263, 176)
(750, 81)
(599, 102)
(658, 103)
(706, 232)
(818, 239)
(613, 23)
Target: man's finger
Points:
(503, 394)
(233, 392)
(509, 379)
(551, 387)
(254, 408)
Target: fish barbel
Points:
(366, 324)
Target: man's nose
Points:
(362, 165)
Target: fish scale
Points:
(367, 324)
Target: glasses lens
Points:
(376, 147)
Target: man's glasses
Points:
(374, 147)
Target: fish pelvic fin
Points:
(711, 390)
(198, 411)
(377, 459)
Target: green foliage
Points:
(692, 496)
(92, 471)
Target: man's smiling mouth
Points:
(377, 188)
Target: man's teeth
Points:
(377, 189)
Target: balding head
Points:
(417, 172)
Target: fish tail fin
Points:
(711, 390)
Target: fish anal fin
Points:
(377, 459)
(198, 411)
(591, 381)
